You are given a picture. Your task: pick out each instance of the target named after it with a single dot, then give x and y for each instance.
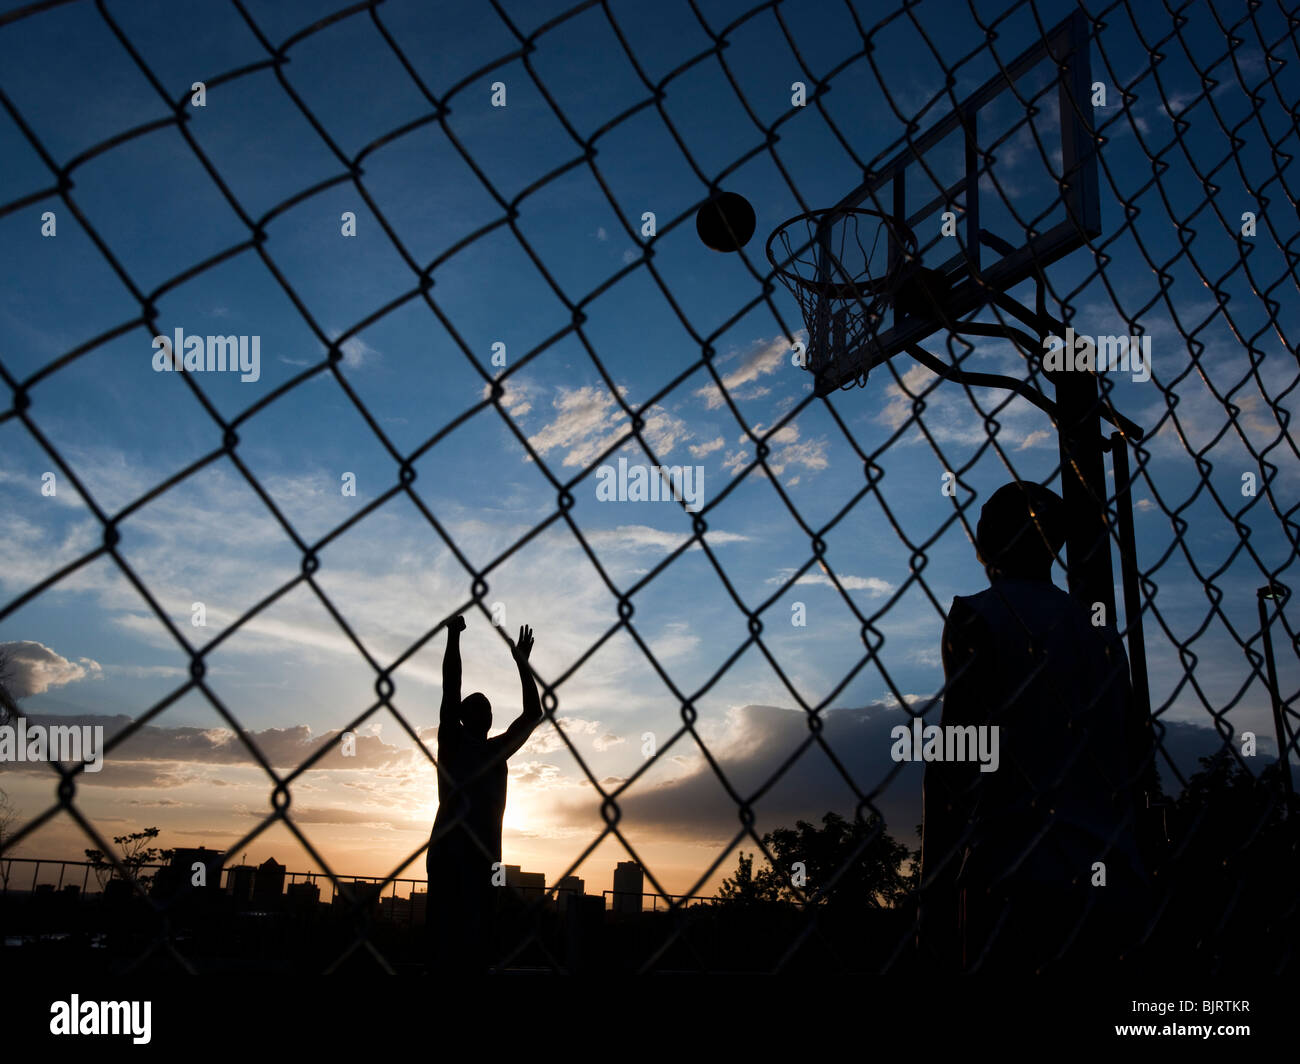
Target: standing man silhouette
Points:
(1008, 857)
(466, 838)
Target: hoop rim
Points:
(845, 290)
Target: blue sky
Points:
(292, 676)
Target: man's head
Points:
(476, 714)
(1020, 531)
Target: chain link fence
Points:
(1200, 130)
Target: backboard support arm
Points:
(1083, 473)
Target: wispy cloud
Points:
(356, 352)
(762, 358)
(786, 451)
(848, 581)
(703, 450)
(643, 537)
(589, 420)
(516, 396)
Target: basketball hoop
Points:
(844, 266)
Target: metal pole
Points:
(1137, 646)
(1083, 488)
(1083, 471)
(1274, 591)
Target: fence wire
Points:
(1270, 130)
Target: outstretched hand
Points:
(456, 624)
(520, 650)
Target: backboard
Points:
(1015, 162)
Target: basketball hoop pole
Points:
(1083, 472)
(1078, 397)
(1137, 653)
(1077, 555)
(1083, 488)
(1076, 412)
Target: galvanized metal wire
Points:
(1269, 29)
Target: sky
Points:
(527, 220)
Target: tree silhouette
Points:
(843, 863)
(9, 710)
(8, 814)
(134, 857)
(1228, 874)
(744, 889)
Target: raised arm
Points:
(450, 712)
(522, 727)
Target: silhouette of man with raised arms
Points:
(466, 838)
(1008, 856)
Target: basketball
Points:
(726, 222)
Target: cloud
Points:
(516, 396)
(767, 356)
(663, 431)
(590, 420)
(282, 747)
(703, 450)
(786, 449)
(539, 775)
(371, 818)
(792, 451)
(643, 537)
(951, 415)
(931, 656)
(147, 671)
(356, 352)
(202, 532)
(874, 584)
(546, 740)
(1179, 103)
(899, 407)
(34, 668)
(758, 740)
(583, 418)
(601, 235)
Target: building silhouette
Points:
(268, 884)
(568, 891)
(629, 884)
(366, 896)
(409, 911)
(178, 877)
(530, 885)
(239, 884)
(303, 898)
